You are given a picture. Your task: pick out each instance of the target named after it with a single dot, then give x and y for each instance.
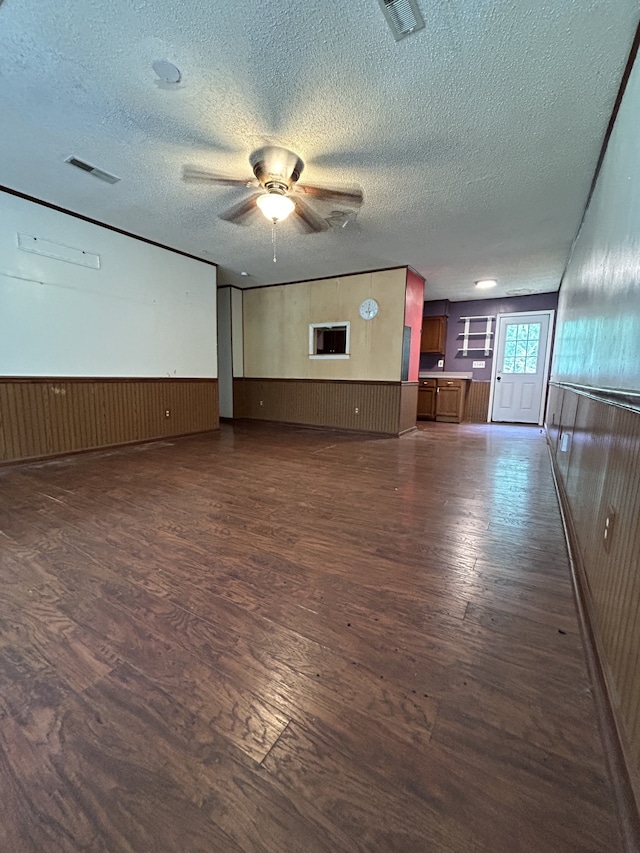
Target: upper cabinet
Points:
(434, 335)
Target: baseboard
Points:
(610, 734)
(319, 427)
(31, 460)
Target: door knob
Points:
(498, 378)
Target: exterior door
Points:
(521, 367)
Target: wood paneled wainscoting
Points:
(594, 439)
(477, 403)
(378, 407)
(41, 417)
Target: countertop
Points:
(444, 374)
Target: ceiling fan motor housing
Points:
(276, 169)
(275, 187)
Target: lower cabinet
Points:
(441, 400)
(427, 399)
(450, 396)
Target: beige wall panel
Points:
(276, 327)
(263, 321)
(385, 339)
(237, 336)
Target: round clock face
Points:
(368, 309)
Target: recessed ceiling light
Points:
(167, 71)
(244, 273)
(486, 283)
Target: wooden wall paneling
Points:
(619, 606)
(566, 425)
(585, 475)
(34, 430)
(238, 398)
(42, 417)
(602, 472)
(552, 417)
(408, 406)
(321, 403)
(477, 402)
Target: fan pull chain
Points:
(273, 240)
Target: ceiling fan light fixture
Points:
(486, 283)
(275, 206)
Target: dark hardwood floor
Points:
(275, 639)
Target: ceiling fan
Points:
(278, 193)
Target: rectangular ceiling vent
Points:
(93, 170)
(403, 17)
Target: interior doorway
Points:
(521, 367)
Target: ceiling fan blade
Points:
(353, 196)
(240, 211)
(309, 219)
(191, 174)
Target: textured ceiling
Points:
(474, 140)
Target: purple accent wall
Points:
(453, 359)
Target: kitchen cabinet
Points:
(434, 335)
(450, 399)
(427, 399)
(443, 397)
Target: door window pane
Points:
(521, 348)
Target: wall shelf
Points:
(467, 334)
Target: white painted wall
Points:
(598, 330)
(147, 312)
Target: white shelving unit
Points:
(468, 334)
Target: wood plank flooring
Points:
(284, 640)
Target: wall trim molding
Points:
(612, 396)
(324, 381)
(97, 222)
(317, 427)
(328, 277)
(92, 378)
(610, 734)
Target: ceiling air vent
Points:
(403, 17)
(93, 170)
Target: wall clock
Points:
(369, 309)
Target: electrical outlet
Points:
(607, 532)
(478, 364)
(565, 440)
(357, 411)
(441, 362)
(261, 403)
(167, 413)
